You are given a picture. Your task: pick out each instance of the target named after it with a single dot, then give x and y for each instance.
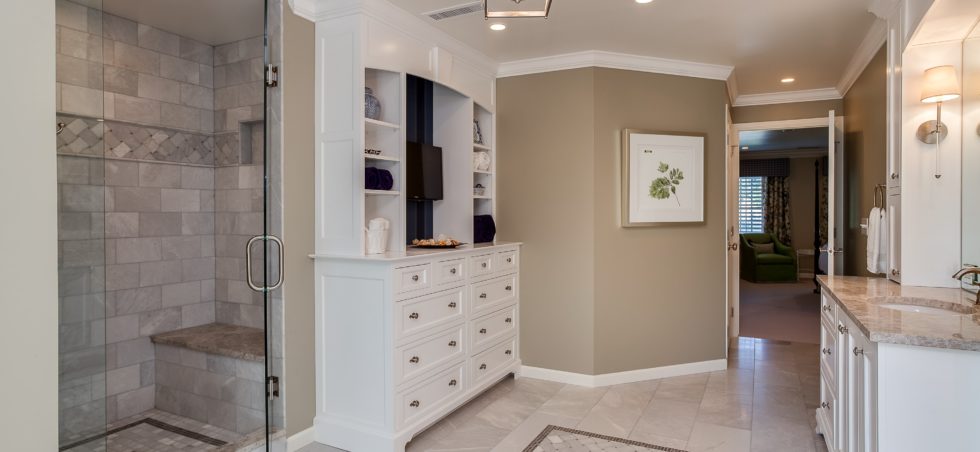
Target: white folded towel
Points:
(877, 241)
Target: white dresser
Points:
(402, 340)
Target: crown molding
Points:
(612, 60)
(865, 52)
(732, 83)
(787, 97)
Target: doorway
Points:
(782, 208)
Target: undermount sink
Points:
(923, 306)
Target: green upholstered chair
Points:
(776, 266)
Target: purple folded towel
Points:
(372, 179)
(386, 181)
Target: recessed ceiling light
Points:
(745, 148)
(788, 80)
(498, 27)
(644, 1)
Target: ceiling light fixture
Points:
(498, 27)
(788, 80)
(643, 2)
(494, 13)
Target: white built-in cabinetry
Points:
(403, 341)
(889, 397)
(406, 337)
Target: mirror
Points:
(971, 153)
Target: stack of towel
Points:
(878, 240)
(378, 179)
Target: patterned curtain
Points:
(777, 209)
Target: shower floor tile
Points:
(156, 430)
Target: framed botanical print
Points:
(663, 178)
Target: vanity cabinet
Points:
(402, 340)
(847, 416)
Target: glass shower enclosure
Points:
(168, 213)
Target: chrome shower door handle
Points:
(248, 262)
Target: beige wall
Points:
(783, 112)
(297, 81)
(545, 190)
(28, 192)
(865, 134)
(597, 298)
(801, 188)
(653, 289)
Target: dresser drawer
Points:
(428, 313)
(493, 294)
(492, 327)
(415, 403)
(423, 356)
(507, 261)
(413, 279)
(449, 272)
(482, 265)
(828, 308)
(491, 362)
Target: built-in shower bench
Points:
(212, 373)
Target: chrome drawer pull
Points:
(483, 295)
(508, 352)
(825, 405)
(508, 288)
(452, 343)
(826, 351)
(483, 331)
(508, 320)
(827, 308)
(452, 382)
(483, 367)
(415, 404)
(484, 265)
(414, 360)
(452, 271)
(452, 304)
(858, 351)
(414, 316)
(510, 259)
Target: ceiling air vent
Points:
(454, 11)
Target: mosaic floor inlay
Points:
(156, 431)
(554, 438)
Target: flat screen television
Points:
(423, 172)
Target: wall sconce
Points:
(939, 85)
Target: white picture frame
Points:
(663, 178)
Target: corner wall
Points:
(28, 187)
(597, 298)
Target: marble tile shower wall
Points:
(172, 243)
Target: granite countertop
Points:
(219, 339)
(415, 253)
(860, 298)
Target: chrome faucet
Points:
(966, 271)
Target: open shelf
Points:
(482, 172)
(382, 192)
(481, 147)
(383, 158)
(381, 124)
(482, 197)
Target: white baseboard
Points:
(630, 376)
(300, 440)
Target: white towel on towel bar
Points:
(877, 240)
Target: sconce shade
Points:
(940, 85)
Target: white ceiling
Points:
(765, 40)
(212, 22)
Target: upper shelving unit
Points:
(381, 124)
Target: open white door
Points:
(835, 195)
(731, 223)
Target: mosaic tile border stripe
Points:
(155, 423)
(129, 141)
(551, 428)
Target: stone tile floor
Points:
(147, 437)
(764, 402)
